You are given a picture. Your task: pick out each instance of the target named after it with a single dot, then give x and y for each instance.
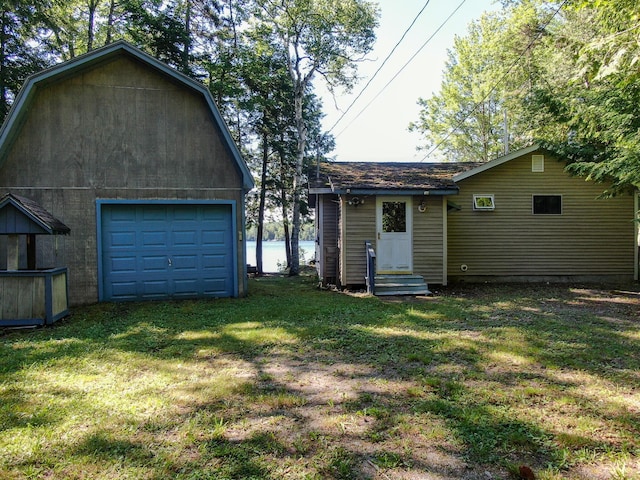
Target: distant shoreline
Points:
(273, 253)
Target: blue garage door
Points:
(161, 251)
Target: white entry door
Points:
(394, 240)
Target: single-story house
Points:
(520, 217)
(136, 160)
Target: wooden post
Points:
(31, 252)
(13, 252)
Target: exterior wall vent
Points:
(537, 163)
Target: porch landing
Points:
(400, 285)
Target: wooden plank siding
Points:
(22, 297)
(429, 238)
(327, 230)
(118, 130)
(59, 292)
(592, 238)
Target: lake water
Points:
(273, 253)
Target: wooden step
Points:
(400, 285)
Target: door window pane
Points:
(394, 217)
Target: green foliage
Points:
(484, 79)
(464, 120)
(591, 114)
(228, 45)
(319, 37)
(566, 77)
(20, 55)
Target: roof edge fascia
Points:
(375, 191)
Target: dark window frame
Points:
(546, 204)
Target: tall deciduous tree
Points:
(464, 120)
(19, 52)
(477, 115)
(321, 37)
(592, 118)
(269, 89)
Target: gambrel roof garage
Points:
(135, 158)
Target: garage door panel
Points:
(165, 251)
(213, 261)
(185, 238)
(155, 263)
(154, 213)
(124, 290)
(185, 263)
(213, 237)
(184, 215)
(152, 288)
(154, 239)
(117, 216)
(213, 286)
(123, 240)
(123, 264)
(187, 287)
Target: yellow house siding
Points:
(359, 225)
(592, 237)
(428, 239)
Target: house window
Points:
(394, 217)
(537, 163)
(547, 204)
(483, 202)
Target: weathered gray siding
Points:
(120, 130)
(591, 239)
(327, 242)
(429, 238)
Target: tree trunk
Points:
(187, 38)
(4, 103)
(261, 206)
(285, 227)
(112, 10)
(93, 5)
(297, 178)
(284, 202)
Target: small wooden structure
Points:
(31, 296)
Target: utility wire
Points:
(403, 67)
(381, 66)
(498, 82)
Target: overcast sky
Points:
(380, 133)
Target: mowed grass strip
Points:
(295, 382)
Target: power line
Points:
(381, 65)
(498, 82)
(404, 66)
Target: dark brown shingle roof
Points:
(359, 176)
(36, 213)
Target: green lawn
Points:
(294, 382)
